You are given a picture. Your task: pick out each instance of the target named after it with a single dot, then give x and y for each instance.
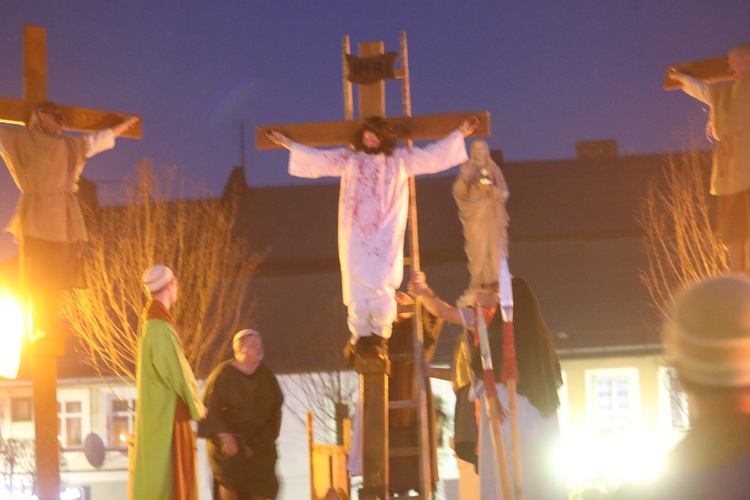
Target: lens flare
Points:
(11, 334)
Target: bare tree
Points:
(330, 394)
(17, 463)
(680, 245)
(158, 220)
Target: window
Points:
(70, 420)
(118, 419)
(673, 405)
(121, 420)
(613, 399)
(21, 410)
(72, 417)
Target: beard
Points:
(371, 151)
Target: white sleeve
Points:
(696, 88)
(99, 141)
(436, 157)
(468, 317)
(309, 162)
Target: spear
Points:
(509, 372)
(492, 405)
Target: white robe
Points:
(373, 207)
(539, 437)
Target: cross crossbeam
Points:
(35, 91)
(709, 70)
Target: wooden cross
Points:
(35, 91)
(46, 351)
(709, 70)
(374, 372)
(371, 103)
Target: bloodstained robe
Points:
(373, 208)
(249, 407)
(164, 457)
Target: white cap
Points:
(157, 277)
(708, 335)
(244, 333)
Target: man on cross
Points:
(373, 206)
(45, 165)
(730, 176)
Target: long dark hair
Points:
(381, 128)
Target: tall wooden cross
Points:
(46, 351)
(370, 71)
(709, 70)
(35, 91)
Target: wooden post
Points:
(373, 394)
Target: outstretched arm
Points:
(692, 86)
(435, 305)
(105, 139)
(279, 138)
(127, 123)
(468, 126)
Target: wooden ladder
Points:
(374, 373)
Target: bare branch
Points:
(159, 220)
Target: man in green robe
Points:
(164, 460)
(243, 422)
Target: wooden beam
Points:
(34, 64)
(373, 393)
(372, 96)
(76, 119)
(339, 133)
(14, 111)
(709, 70)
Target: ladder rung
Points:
(405, 308)
(403, 404)
(405, 452)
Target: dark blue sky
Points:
(551, 73)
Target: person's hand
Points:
(131, 122)
(228, 444)
(124, 125)
(677, 75)
(417, 285)
(468, 126)
(278, 138)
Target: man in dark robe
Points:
(244, 402)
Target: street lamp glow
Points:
(11, 335)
